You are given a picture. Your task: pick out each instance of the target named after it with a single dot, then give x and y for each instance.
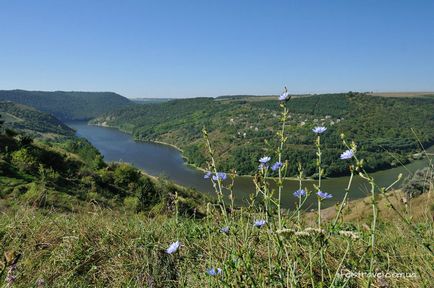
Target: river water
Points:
(158, 159)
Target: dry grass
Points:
(359, 210)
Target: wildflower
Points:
(276, 166)
(207, 175)
(259, 223)
(262, 166)
(264, 159)
(348, 154)
(324, 195)
(225, 229)
(173, 247)
(299, 193)
(284, 96)
(219, 175)
(319, 129)
(214, 271)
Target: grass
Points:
(105, 248)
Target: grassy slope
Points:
(359, 210)
(103, 248)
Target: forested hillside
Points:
(31, 121)
(68, 105)
(238, 125)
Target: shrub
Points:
(131, 203)
(125, 174)
(419, 183)
(24, 160)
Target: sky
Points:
(193, 48)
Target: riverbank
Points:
(187, 162)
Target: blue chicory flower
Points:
(207, 175)
(348, 154)
(214, 271)
(264, 159)
(299, 193)
(259, 223)
(173, 247)
(324, 195)
(220, 175)
(276, 166)
(283, 96)
(319, 129)
(225, 229)
(262, 166)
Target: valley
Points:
(243, 130)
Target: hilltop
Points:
(68, 106)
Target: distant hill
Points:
(28, 119)
(68, 105)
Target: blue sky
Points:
(190, 48)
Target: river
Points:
(158, 159)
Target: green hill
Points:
(68, 105)
(31, 121)
(238, 125)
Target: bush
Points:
(125, 175)
(419, 183)
(24, 160)
(132, 203)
